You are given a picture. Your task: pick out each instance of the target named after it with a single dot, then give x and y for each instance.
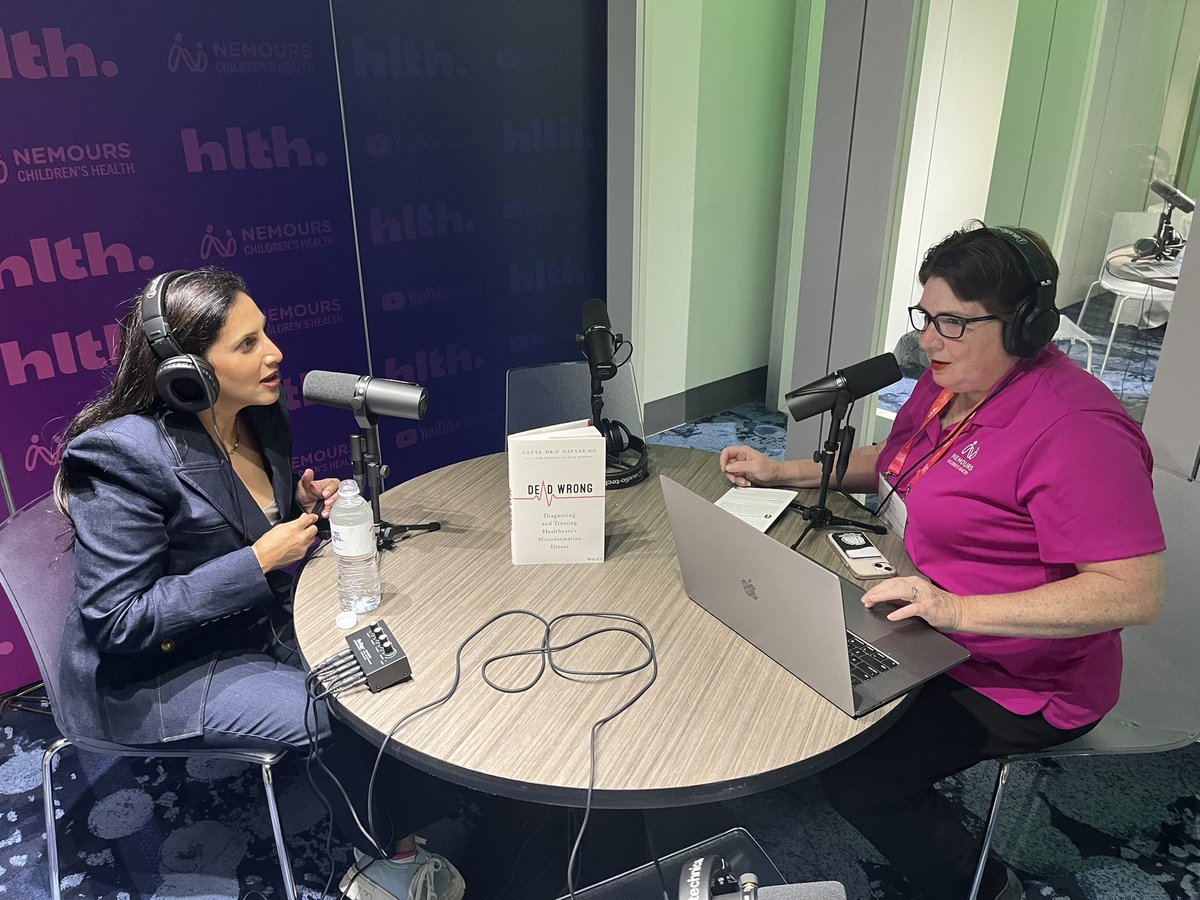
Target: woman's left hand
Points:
(309, 491)
(941, 609)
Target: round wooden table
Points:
(721, 721)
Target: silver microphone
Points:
(366, 395)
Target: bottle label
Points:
(353, 540)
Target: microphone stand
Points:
(370, 472)
(1166, 243)
(598, 404)
(819, 515)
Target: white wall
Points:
(963, 72)
(670, 98)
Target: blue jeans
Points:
(258, 701)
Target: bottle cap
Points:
(346, 620)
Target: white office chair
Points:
(1159, 708)
(1127, 227)
(1069, 331)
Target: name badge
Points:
(894, 513)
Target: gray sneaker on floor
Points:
(427, 876)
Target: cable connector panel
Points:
(379, 656)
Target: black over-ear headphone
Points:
(1036, 317)
(619, 439)
(185, 381)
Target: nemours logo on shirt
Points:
(961, 460)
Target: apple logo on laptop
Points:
(748, 587)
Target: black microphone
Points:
(1173, 195)
(391, 532)
(599, 342)
(857, 380)
(363, 393)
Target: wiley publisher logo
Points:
(248, 150)
(63, 259)
(194, 61)
(210, 244)
(23, 57)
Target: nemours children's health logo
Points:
(258, 240)
(43, 452)
(239, 57)
(960, 461)
(64, 162)
(303, 316)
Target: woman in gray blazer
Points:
(186, 511)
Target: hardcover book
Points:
(556, 491)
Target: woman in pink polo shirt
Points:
(1024, 492)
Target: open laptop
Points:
(799, 613)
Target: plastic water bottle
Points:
(352, 527)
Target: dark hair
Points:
(196, 306)
(980, 265)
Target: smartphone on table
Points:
(860, 555)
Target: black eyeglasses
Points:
(948, 326)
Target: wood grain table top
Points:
(721, 720)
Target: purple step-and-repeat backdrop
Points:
(182, 134)
(477, 148)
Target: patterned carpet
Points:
(1084, 829)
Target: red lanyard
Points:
(939, 404)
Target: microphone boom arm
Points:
(370, 472)
(819, 515)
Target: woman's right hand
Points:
(286, 543)
(745, 466)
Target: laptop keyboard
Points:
(865, 661)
